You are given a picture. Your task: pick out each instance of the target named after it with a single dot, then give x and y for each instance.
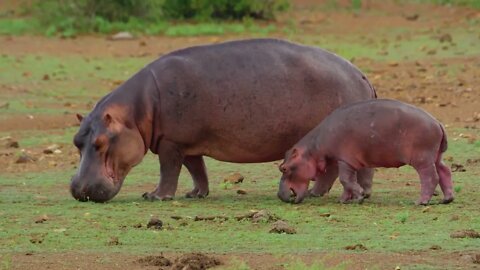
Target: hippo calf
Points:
(241, 101)
(369, 134)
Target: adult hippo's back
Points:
(240, 101)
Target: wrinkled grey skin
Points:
(242, 101)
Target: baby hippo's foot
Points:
(422, 201)
(350, 197)
(315, 193)
(447, 200)
(197, 193)
(157, 196)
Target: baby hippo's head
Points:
(298, 168)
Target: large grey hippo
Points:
(241, 101)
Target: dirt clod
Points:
(13, 144)
(24, 158)
(241, 192)
(234, 178)
(435, 247)
(159, 260)
(412, 17)
(281, 226)
(264, 216)
(195, 261)
(138, 226)
(155, 223)
(476, 259)
(41, 219)
(445, 38)
(465, 234)
(202, 218)
(458, 167)
(113, 241)
(356, 247)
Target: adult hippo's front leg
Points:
(171, 160)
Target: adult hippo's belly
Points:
(242, 101)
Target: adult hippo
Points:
(241, 101)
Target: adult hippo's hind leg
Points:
(171, 161)
(364, 178)
(196, 168)
(324, 182)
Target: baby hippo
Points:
(369, 134)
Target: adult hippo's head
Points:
(110, 145)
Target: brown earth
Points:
(453, 100)
(354, 260)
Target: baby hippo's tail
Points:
(443, 143)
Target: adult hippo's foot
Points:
(155, 196)
(197, 193)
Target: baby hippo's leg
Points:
(365, 177)
(352, 191)
(445, 182)
(324, 182)
(428, 182)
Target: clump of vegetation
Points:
(223, 9)
(69, 17)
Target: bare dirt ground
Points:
(425, 83)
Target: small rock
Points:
(52, 149)
(24, 158)
(122, 36)
(465, 234)
(281, 226)
(356, 247)
(234, 178)
(435, 247)
(41, 219)
(241, 192)
(155, 223)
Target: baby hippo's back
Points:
(381, 133)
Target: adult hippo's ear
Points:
(79, 117)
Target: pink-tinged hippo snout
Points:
(291, 192)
